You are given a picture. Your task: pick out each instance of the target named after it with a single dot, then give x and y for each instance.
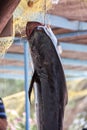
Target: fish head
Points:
(30, 28)
(34, 42)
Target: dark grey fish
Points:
(49, 77)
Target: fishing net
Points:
(5, 43)
(30, 12)
(33, 11)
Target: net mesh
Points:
(23, 13)
(5, 43)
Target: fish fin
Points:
(35, 78)
(31, 84)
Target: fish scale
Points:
(51, 83)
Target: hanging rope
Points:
(45, 11)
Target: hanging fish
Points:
(48, 75)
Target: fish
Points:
(48, 75)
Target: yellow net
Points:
(5, 43)
(29, 12)
(24, 12)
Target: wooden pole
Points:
(8, 29)
(6, 10)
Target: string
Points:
(44, 11)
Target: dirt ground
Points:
(70, 113)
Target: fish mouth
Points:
(30, 28)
